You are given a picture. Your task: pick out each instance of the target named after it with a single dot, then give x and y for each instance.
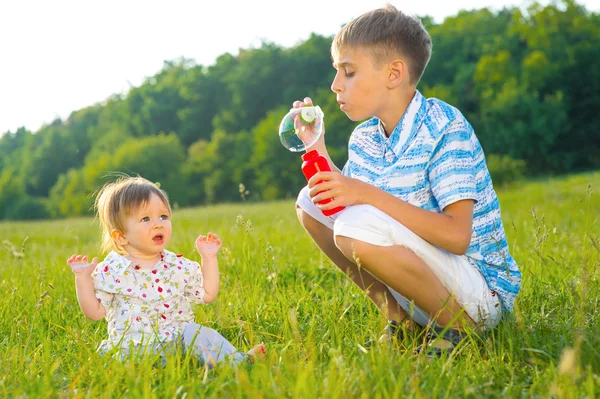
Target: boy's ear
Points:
(397, 73)
(118, 237)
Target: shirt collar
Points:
(408, 125)
(170, 258)
(117, 263)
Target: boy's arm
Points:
(89, 304)
(322, 149)
(450, 230)
(452, 176)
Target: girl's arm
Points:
(89, 304)
(210, 272)
(84, 284)
(208, 247)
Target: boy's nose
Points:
(335, 85)
(335, 88)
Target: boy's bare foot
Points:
(258, 352)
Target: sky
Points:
(62, 55)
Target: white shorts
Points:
(457, 273)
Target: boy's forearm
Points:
(439, 229)
(86, 297)
(210, 274)
(322, 149)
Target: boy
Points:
(422, 220)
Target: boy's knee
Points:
(310, 217)
(310, 224)
(304, 218)
(352, 248)
(344, 244)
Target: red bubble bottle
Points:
(313, 163)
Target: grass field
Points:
(276, 288)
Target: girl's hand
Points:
(208, 245)
(80, 266)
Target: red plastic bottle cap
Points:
(310, 155)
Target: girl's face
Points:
(147, 229)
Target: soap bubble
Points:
(301, 128)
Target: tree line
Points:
(528, 80)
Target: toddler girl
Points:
(144, 291)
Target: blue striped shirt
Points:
(431, 160)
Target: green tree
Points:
(47, 154)
(156, 158)
(221, 166)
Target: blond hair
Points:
(119, 199)
(387, 33)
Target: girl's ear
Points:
(118, 237)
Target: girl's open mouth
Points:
(158, 239)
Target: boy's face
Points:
(147, 229)
(360, 86)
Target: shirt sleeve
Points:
(346, 169)
(452, 168)
(105, 298)
(103, 294)
(194, 289)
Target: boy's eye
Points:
(145, 219)
(164, 217)
(349, 74)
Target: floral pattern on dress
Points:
(147, 306)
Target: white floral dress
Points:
(147, 306)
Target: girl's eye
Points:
(349, 74)
(145, 219)
(164, 217)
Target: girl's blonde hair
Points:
(119, 199)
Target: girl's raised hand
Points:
(208, 245)
(80, 266)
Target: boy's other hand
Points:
(80, 266)
(345, 191)
(208, 245)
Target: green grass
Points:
(278, 289)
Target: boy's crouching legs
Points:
(406, 273)
(377, 291)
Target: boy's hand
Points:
(80, 266)
(208, 245)
(298, 123)
(345, 191)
